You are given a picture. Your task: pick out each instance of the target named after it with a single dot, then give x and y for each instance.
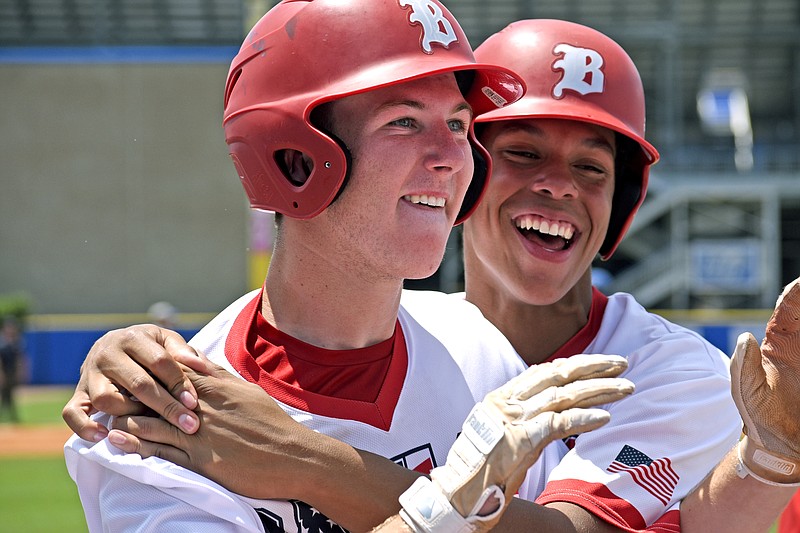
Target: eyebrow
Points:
(462, 106)
(595, 141)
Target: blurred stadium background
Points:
(117, 191)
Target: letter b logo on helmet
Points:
(581, 68)
(435, 26)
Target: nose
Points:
(555, 179)
(446, 152)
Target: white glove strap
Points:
(480, 433)
(427, 510)
(764, 458)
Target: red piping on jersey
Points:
(600, 501)
(241, 351)
(578, 343)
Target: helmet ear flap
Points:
(480, 179)
(631, 174)
(348, 165)
(258, 160)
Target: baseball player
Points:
(569, 155)
(353, 119)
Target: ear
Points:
(297, 165)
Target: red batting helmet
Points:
(303, 53)
(577, 73)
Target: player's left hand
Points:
(766, 388)
(244, 437)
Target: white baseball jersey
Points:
(661, 441)
(425, 393)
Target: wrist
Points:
(425, 509)
(769, 467)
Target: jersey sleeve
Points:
(125, 493)
(661, 441)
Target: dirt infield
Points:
(29, 440)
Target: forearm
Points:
(523, 516)
(725, 502)
(357, 489)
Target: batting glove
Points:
(765, 384)
(505, 434)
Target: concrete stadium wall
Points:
(117, 190)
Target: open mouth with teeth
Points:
(552, 235)
(424, 199)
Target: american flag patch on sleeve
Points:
(655, 476)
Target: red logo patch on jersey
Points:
(419, 459)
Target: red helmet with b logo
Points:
(574, 72)
(304, 53)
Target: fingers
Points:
(588, 366)
(746, 369)
(200, 367)
(182, 353)
(136, 358)
(77, 416)
(582, 393)
(129, 443)
(197, 362)
(148, 436)
(550, 426)
(158, 350)
(561, 371)
(93, 393)
(747, 377)
(107, 396)
(787, 308)
(784, 324)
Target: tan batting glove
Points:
(765, 384)
(505, 434)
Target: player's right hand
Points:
(765, 383)
(130, 369)
(505, 434)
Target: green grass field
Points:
(37, 494)
(42, 405)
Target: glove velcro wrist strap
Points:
(427, 510)
(480, 433)
(782, 471)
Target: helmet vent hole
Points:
(231, 85)
(295, 167)
(294, 204)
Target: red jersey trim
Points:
(789, 521)
(600, 501)
(578, 343)
(378, 414)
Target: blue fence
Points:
(55, 354)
